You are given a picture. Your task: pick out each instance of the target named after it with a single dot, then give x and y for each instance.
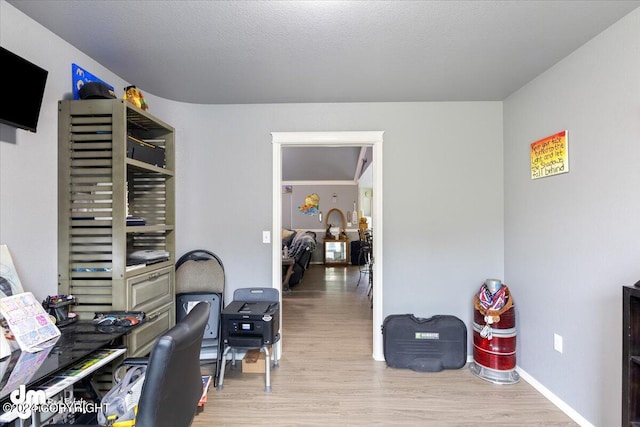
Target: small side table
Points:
(289, 262)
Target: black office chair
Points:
(271, 295)
(200, 276)
(173, 382)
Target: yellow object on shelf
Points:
(134, 96)
(363, 224)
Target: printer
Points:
(250, 323)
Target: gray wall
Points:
(345, 196)
(571, 241)
(442, 182)
(442, 191)
(28, 161)
(455, 213)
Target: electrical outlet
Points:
(266, 237)
(557, 343)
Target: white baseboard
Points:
(575, 416)
(571, 413)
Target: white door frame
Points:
(334, 139)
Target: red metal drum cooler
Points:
(494, 334)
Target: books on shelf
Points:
(147, 256)
(133, 221)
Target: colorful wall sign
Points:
(550, 156)
(311, 205)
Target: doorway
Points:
(334, 139)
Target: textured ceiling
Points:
(242, 52)
(221, 52)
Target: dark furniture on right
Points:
(631, 356)
(366, 253)
(357, 253)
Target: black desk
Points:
(77, 341)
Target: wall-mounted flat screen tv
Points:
(22, 90)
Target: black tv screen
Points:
(22, 90)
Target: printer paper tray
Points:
(245, 341)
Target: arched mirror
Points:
(336, 242)
(335, 225)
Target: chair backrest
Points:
(184, 303)
(199, 271)
(173, 382)
(256, 294)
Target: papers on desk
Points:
(29, 322)
(18, 370)
(80, 370)
(62, 380)
(22, 366)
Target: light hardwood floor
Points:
(327, 376)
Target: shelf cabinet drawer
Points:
(141, 339)
(150, 290)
